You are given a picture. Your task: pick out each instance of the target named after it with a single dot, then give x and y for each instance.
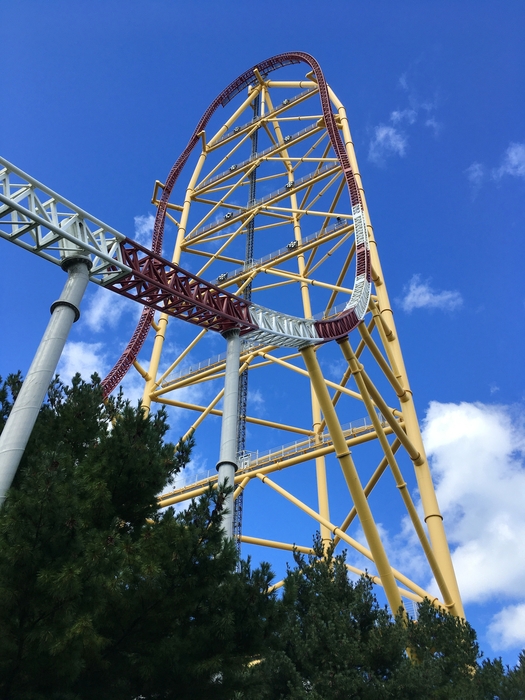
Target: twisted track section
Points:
(262, 324)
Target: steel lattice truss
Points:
(41, 221)
(315, 276)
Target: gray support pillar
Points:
(22, 418)
(227, 464)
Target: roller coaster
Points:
(274, 251)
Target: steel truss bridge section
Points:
(39, 220)
(43, 222)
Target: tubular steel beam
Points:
(24, 413)
(227, 465)
(392, 574)
(352, 478)
(195, 490)
(400, 482)
(383, 464)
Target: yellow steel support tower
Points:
(350, 399)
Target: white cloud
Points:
(507, 629)
(401, 115)
(144, 229)
(334, 368)
(420, 295)
(475, 174)
(434, 125)
(85, 358)
(403, 82)
(105, 309)
(513, 162)
(256, 400)
(387, 141)
(477, 456)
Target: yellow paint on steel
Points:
(352, 478)
(215, 256)
(375, 579)
(347, 374)
(320, 474)
(182, 355)
(195, 493)
(311, 212)
(241, 487)
(154, 361)
(209, 408)
(304, 281)
(140, 370)
(391, 574)
(207, 373)
(378, 473)
(276, 545)
(223, 258)
(305, 373)
(398, 477)
(194, 490)
(300, 84)
(433, 516)
(276, 586)
(249, 419)
(412, 450)
(311, 268)
(376, 352)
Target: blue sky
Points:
(99, 99)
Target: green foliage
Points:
(335, 642)
(103, 597)
(96, 602)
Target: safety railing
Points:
(241, 211)
(237, 130)
(249, 461)
(235, 167)
(257, 262)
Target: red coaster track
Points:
(195, 300)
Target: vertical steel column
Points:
(243, 382)
(433, 517)
(24, 413)
(227, 464)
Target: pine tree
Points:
(102, 596)
(335, 642)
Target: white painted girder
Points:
(35, 218)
